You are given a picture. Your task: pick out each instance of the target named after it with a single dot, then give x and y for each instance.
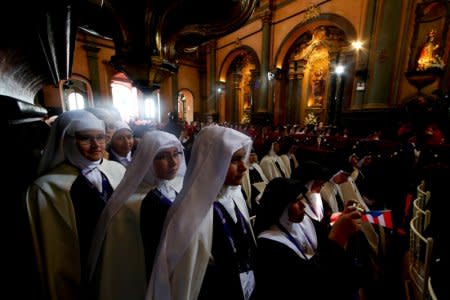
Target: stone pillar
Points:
(362, 64)
(290, 102)
(92, 57)
(265, 60)
(233, 104)
(212, 98)
(174, 95)
(299, 74)
(332, 86)
(382, 57)
(253, 97)
(203, 103)
(340, 81)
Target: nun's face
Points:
(167, 162)
(122, 142)
(91, 144)
(276, 147)
(253, 158)
(296, 210)
(236, 168)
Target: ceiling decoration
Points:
(149, 36)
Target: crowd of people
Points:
(211, 212)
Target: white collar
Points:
(304, 233)
(313, 205)
(225, 198)
(167, 188)
(126, 160)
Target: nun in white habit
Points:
(64, 203)
(253, 183)
(271, 163)
(186, 248)
(121, 144)
(119, 254)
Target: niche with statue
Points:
(429, 52)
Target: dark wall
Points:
(25, 136)
(362, 123)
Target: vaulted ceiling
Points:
(37, 37)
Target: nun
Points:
(129, 229)
(206, 249)
(297, 257)
(65, 201)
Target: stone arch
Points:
(232, 56)
(305, 58)
(300, 29)
(238, 78)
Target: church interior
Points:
(343, 77)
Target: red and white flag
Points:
(381, 217)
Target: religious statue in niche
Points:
(246, 88)
(244, 66)
(317, 86)
(314, 57)
(317, 56)
(428, 56)
(181, 107)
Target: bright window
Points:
(150, 108)
(125, 99)
(75, 101)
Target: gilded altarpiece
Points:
(240, 89)
(310, 65)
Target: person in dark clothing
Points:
(436, 179)
(290, 240)
(173, 126)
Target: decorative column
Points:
(290, 102)
(299, 74)
(254, 76)
(174, 95)
(211, 104)
(340, 82)
(247, 113)
(235, 93)
(92, 57)
(265, 59)
(199, 111)
(332, 88)
(382, 57)
(361, 74)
